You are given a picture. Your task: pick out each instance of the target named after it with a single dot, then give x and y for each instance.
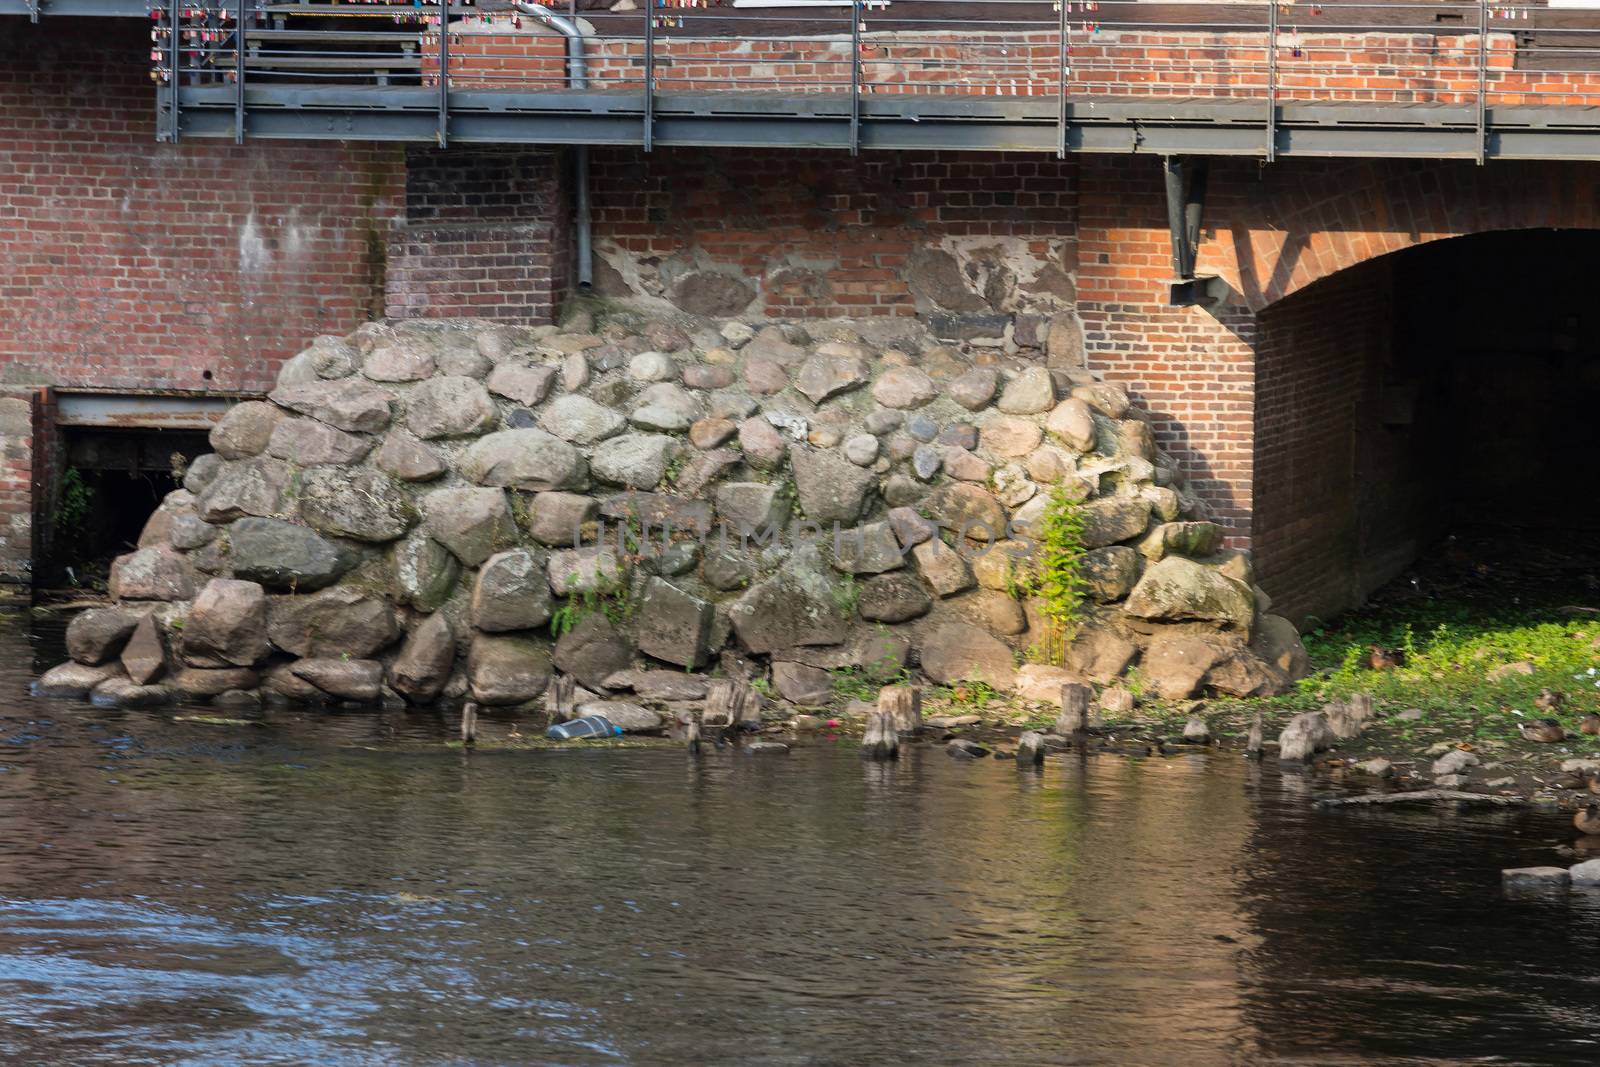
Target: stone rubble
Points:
(432, 511)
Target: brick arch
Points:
(1272, 233)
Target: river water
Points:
(329, 889)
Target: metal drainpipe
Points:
(577, 78)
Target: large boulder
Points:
(249, 487)
(98, 634)
(357, 680)
(673, 625)
(157, 573)
(1277, 643)
(893, 598)
(1174, 665)
(831, 489)
(969, 510)
(503, 669)
(362, 504)
(245, 429)
(1109, 574)
(1176, 589)
(823, 377)
(450, 406)
(348, 404)
(422, 668)
(1099, 654)
(335, 622)
(144, 657)
(633, 460)
(558, 519)
(579, 420)
(425, 572)
(283, 555)
(528, 458)
(804, 603)
(512, 592)
(1111, 519)
(593, 650)
(961, 652)
(74, 680)
(472, 523)
(227, 625)
(403, 456)
(309, 443)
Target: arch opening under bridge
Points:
(1430, 415)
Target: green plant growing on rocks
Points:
(1059, 582)
(974, 693)
(607, 597)
(852, 683)
(846, 596)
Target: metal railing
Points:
(1473, 54)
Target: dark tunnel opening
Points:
(1430, 410)
(108, 483)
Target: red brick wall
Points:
(1335, 503)
(816, 233)
(487, 233)
(1192, 370)
(132, 264)
(1313, 64)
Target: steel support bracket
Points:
(1186, 198)
(1207, 291)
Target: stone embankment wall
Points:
(439, 510)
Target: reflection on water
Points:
(319, 890)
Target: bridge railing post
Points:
(1063, 75)
(649, 75)
(1483, 80)
(1272, 80)
(444, 74)
(238, 73)
(175, 60)
(855, 77)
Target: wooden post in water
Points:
(880, 741)
(726, 704)
(903, 706)
(560, 699)
(691, 734)
(1253, 746)
(469, 723)
(1074, 717)
(1030, 749)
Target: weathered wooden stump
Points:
(1030, 749)
(1306, 734)
(1074, 717)
(903, 706)
(691, 734)
(1343, 719)
(880, 741)
(560, 699)
(1256, 741)
(469, 723)
(728, 703)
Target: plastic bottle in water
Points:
(588, 726)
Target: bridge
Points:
(1475, 80)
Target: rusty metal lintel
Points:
(127, 411)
